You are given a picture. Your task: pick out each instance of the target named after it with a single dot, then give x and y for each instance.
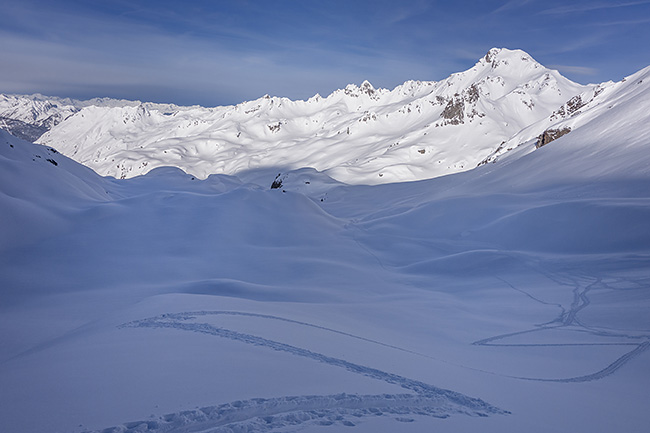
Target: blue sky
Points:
(224, 52)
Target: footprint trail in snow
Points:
(260, 414)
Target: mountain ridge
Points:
(356, 135)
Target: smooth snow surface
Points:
(512, 297)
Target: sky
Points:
(223, 52)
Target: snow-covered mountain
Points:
(510, 297)
(357, 135)
(590, 106)
(30, 117)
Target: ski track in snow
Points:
(260, 415)
(192, 315)
(569, 318)
(271, 414)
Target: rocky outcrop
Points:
(568, 109)
(574, 104)
(454, 112)
(550, 135)
(277, 182)
(461, 106)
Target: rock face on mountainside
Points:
(551, 135)
(358, 134)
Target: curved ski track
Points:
(422, 399)
(569, 318)
(261, 415)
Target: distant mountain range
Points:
(357, 135)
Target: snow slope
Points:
(357, 135)
(510, 297)
(589, 106)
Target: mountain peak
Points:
(365, 89)
(497, 57)
(492, 54)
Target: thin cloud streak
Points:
(510, 5)
(407, 12)
(578, 70)
(590, 7)
(594, 40)
(618, 23)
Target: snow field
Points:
(511, 297)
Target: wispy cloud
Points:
(405, 12)
(631, 22)
(579, 44)
(471, 53)
(511, 5)
(591, 6)
(578, 70)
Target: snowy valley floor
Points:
(510, 298)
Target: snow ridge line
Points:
(259, 415)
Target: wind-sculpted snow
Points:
(259, 415)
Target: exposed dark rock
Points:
(277, 182)
(473, 93)
(570, 108)
(550, 135)
(598, 90)
(574, 104)
(454, 111)
(493, 156)
(491, 55)
(367, 88)
(367, 116)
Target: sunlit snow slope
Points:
(358, 135)
(511, 297)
